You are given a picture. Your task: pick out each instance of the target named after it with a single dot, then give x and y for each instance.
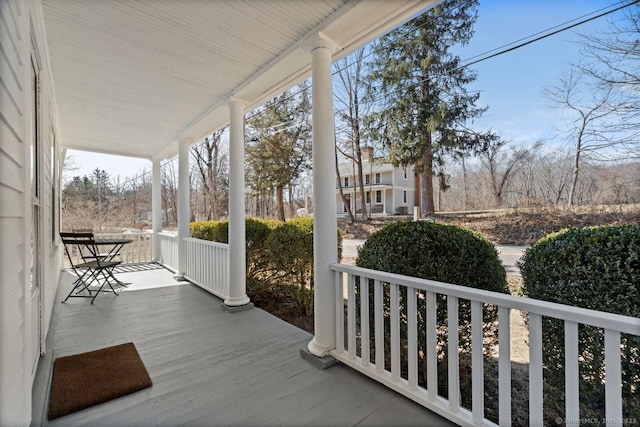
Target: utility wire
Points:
(567, 25)
(565, 28)
(510, 49)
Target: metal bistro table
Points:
(95, 269)
(114, 247)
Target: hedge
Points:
(277, 253)
(596, 268)
(445, 253)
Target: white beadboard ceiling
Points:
(132, 77)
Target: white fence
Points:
(355, 348)
(207, 265)
(169, 251)
(138, 251)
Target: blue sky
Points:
(510, 84)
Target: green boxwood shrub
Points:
(259, 267)
(213, 231)
(290, 248)
(277, 253)
(445, 253)
(596, 268)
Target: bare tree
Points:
(349, 94)
(589, 127)
(502, 162)
(169, 191)
(208, 159)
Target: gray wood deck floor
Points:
(210, 367)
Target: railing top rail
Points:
(167, 234)
(135, 233)
(601, 319)
(207, 242)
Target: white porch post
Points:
(237, 252)
(184, 210)
(325, 240)
(156, 208)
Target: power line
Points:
(565, 26)
(544, 36)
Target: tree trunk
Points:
(426, 184)
(464, 184)
(576, 172)
(280, 203)
(344, 201)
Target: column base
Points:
(178, 277)
(231, 301)
(319, 362)
(318, 350)
(237, 308)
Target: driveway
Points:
(508, 254)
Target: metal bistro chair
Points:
(93, 271)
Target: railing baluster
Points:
(364, 321)
(379, 325)
(395, 332)
(613, 325)
(412, 337)
(535, 370)
(351, 317)
(571, 395)
(613, 376)
(432, 341)
(339, 278)
(477, 362)
(504, 365)
(453, 372)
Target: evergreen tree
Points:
(279, 147)
(420, 87)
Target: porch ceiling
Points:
(132, 77)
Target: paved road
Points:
(508, 254)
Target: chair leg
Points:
(105, 281)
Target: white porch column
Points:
(237, 250)
(184, 210)
(156, 208)
(325, 239)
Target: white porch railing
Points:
(353, 331)
(207, 265)
(140, 250)
(169, 251)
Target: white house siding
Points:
(389, 176)
(19, 341)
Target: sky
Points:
(510, 84)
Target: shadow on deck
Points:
(210, 367)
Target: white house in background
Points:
(389, 189)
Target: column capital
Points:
(320, 40)
(234, 100)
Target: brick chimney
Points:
(367, 153)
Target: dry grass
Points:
(511, 227)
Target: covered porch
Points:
(210, 367)
(148, 79)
